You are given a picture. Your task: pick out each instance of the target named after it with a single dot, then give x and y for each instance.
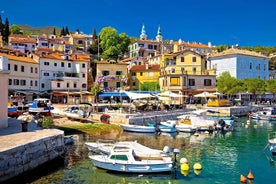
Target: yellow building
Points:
(140, 74)
(111, 75)
(185, 73)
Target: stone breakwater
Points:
(21, 152)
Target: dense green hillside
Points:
(39, 30)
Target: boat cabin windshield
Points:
(119, 157)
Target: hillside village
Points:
(61, 68)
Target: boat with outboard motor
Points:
(132, 157)
(199, 119)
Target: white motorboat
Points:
(138, 128)
(200, 120)
(80, 112)
(133, 157)
(268, 114)
(182, 127)
(101, 146)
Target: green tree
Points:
(113, 44)
(95, 90)
(149, 86)
(66, 31)
(271, 86)
(15, 29)
(227, 84)
(6, 31)
(221, 48)
(1, 26)
(95, 48)
(54, 31)
(254, 86)
(124, 42)
(62, 32)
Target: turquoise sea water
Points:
(224, 158)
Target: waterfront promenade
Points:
(23, 151)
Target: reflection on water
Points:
(223, 157)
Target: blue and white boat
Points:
(139, 128)
(40, 105)
(167, 126)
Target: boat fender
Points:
(183, 161)
(166, 149)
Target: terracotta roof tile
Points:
(19, 58)
(233, 51)
(14, 40)
(143, 67)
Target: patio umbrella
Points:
(205, 95)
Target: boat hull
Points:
(138, 128)
(122, 166)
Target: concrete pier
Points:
(24, 151)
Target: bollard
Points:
(24, 126)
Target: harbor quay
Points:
(141, 118)
(22, 151)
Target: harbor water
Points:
(224, 157)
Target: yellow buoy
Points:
(185, 173)
(248, 122)
(255, 126)
(197, 168)
(185, 167)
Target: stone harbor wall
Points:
(31, 152)
(143, 120)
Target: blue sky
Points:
(243, 22)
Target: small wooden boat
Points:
(133, 157)
(138, 128)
